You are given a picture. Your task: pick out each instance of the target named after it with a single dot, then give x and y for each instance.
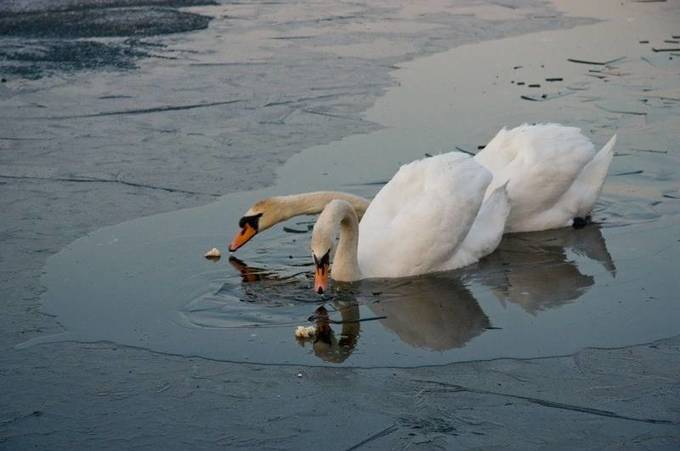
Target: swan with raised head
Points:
(553, 175)
(432, 216)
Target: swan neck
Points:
(339, 216)
(314, 202)
(346, 262)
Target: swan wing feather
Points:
(486, 232)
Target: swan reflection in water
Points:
(436, 312)
(534, 271)
(259, 284)
(327, 346)
(439, 311)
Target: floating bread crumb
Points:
(305, 332)
(213, 253)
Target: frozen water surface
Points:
(145, 283)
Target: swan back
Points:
(540, 164)
(419, 218)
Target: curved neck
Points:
(339, 214)
(314, 202)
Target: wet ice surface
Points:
(216, 110)
(146, 284)
(64, 178)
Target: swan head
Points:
(323, 243)
(261, 216)
(322, 269)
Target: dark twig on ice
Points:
(639, 171)
(649, 150)
(554, 79)
(610, 110)
(291, 230)
(674, 49)
(387, 431)
(596, 63)
(464, 151)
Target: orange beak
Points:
(321, 278)
(242, 237)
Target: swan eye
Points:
(325, 260)
(253, 221)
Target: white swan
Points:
(553, 172)
(432, 216)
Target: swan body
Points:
(431, 216)
(553, 174)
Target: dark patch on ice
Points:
(32, 6)
(50, 33)
(33, 60)
(106, 22)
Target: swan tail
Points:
(591, 180)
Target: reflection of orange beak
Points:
(321, 279)
(248, 274)
(242, 237)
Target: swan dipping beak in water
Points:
(432, 216)
(322, 268)
(450, 210)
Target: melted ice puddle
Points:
(146, 284)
